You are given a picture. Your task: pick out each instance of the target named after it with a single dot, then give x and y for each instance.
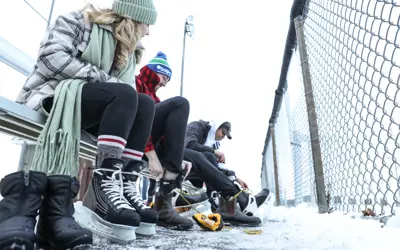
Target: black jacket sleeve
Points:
(194, 131)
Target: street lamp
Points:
(189, 30)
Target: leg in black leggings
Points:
(136, 141)
(170, 121)
(112, 108)
(122, 121)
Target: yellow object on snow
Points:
(211, 222)
(252, 232)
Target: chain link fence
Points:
(353, 54)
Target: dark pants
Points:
(204, 171)
(152, 190)
(145, 187)
(214, 161)
(169, 124)
(116, 109)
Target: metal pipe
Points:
(183, 58)
(312, 117)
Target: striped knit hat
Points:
(159, 64)
(142, 11)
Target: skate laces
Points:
(132, 192)
(114, 189)
(181, 193)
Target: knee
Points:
(210, 156)
(124, 93)
(181, 102)
(145, 102)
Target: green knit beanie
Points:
(139, 10)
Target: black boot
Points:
(148, 216)
(19, 207)
(167, 216)
(230, 214)
(57, 229)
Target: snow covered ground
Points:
(295, 228)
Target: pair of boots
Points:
(22, 194)
(112, 206)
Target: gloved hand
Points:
(212, 222)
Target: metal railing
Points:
(336, 141)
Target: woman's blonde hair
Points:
(126, 31)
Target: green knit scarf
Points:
(57, 148)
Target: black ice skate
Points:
(148, 216)
(104, 209)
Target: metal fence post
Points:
(312, 117)
(276, 174)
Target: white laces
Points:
(132, 192)
(113, 188)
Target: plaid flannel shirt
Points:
(145, 83)
(58, 59)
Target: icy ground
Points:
(296, 228)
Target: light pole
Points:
(189, 30)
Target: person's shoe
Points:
(228, 209)
(148, 216)
(22, 198)
(214, 200)
(104, 209)
(57, 229)
(167, 215)
(249, 203)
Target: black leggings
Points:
(170, 122)
(116, 109)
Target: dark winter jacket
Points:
(196, 136)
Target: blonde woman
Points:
(83, 80)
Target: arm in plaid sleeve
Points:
(58, 52)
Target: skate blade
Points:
(146, 229)
(86, 218)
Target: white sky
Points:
(231, 71)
